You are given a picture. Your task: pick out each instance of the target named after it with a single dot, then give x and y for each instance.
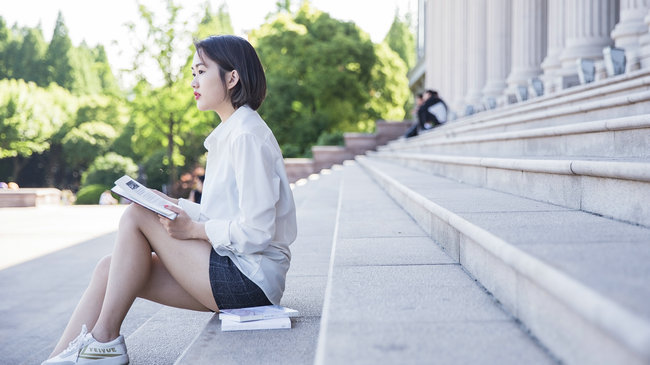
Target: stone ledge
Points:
(614, 169)
(608, 125)
(29, 197)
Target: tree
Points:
(166, 115)
(102, 69)
(389, 89)
(29, 116)
(86, 142)
(325, 77)
(28, 61)
(159, 110)
(401, 39)
(317, 69)
(58, 58)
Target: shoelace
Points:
(77, 343)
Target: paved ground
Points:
(28, 233)
(46, 257)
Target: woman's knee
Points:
(100, 275)
(132, 215)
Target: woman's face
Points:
(209, 90)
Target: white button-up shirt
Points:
(247, 204)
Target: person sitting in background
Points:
(195, 194)
(430, 114)
(433, 111)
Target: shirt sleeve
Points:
(191, 208)
(258, 191)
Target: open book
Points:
(130, 189)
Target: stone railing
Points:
(325, 157)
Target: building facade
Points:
(483, 54)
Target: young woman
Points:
(230, 251)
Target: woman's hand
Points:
(183, 227)
(175, 201)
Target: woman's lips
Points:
(196, 95)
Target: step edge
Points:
(624, 170)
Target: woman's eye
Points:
(201, 71)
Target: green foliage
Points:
(317, 72)
(156, 169)
(29, 116)
(325, 75)
(166, 116)
(81, 70)
(90, 194)
(108, 168)
(123, 144)
(389, 90)
(59, 58)
(86, 142)
(331, 139)
(401, 39)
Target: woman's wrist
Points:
(199, 231)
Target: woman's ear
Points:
(233, 79)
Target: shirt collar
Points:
(226, 126)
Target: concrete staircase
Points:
(547, 205)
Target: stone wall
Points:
(325, 157)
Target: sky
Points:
(102, 22)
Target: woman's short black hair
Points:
(235, 53)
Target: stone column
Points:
(446, 88)
(552, 64)
(458, 68)
(434, 71)
(630, 28)
(498, 42)
(645, 45)
(588, 24)
(476, 53)
(528, 42)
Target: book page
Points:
(140, 194)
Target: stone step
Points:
(632, 103)
(614, 86)
(619, 137)
(165, 336)
(394, 297)
(616, 188)
(316, 206)
(577, 281)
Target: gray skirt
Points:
(231, 288)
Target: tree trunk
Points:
(170, 153)
(19, 163)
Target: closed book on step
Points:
(261, 324)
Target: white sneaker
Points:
(86, 350)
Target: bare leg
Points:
(176, 275)
(89, 306)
